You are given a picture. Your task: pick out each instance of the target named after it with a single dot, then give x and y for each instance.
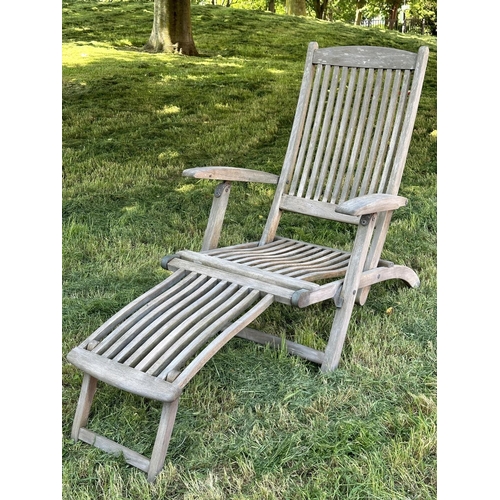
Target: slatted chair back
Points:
(352, 129)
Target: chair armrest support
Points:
(231, 174)
(371, 203)
(221, 196)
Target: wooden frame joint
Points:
(338, 299)
(165, 260)
(223, 186)
(365, 219)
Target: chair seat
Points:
(284, 268)
(293, 258)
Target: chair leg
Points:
(337, 336)
(162, 441)
(372, 259)
(348, 293)
(89, 386)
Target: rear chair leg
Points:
(162, 441)
(89, 386)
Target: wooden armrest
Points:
(231, 174)
(371, 203)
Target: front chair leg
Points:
(162, 441)
(349, 291)
(89, 386)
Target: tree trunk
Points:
(320, 7)
(271, 6)
(172, 28)
(393, 14)
(360, 4)
(296, 7)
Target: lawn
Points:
(255, 423)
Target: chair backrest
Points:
(352, 129)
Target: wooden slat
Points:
(346, 133)
(300, 260)
(168, 332)
(109, 446)
(133, 306)
(330, 129)
(307, 256)
(238, 304)
(365, 57)
(315, 208)
(356, 161)
(143, 316)
(144, 337)
(357, 84)
(243, 270)
(304, 143)
(295, 251)
(337, 131)
(411, 113)
(387, 130)
(291, 245)
(231, 174)
(196, 313)
(123, 377)
(389, 164)
(330, 269)
(364, 161)
(126, 333)
(325, 127)
(292, 347)
(275, 248)
(306, 177)
(204, 356)
(312, 257)
(379, 109)
(208, 321)
(281, 294)
(352, 141)
(232, 248)
(303, 261)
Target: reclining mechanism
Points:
(344, 162)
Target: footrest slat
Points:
(123, 377)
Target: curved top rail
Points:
(366, 57)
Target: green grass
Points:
(255, 423)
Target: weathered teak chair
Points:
(344, 162)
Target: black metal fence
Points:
(412, 25)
